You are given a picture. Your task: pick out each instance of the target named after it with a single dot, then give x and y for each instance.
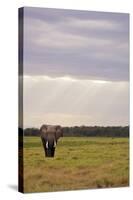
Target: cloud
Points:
(93, 24)
(70, 102)
(76, 43)
(76, 67)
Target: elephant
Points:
(49, 136)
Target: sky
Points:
(76, 68)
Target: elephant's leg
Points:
(44, 145)
(52, 152)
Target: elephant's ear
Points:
(59, 132)
(43, 131)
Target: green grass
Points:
(79, 163)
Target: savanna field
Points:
(79, 163)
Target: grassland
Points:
(79, 163)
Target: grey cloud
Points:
(56, 15)
(59, 42)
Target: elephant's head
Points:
(50, 135)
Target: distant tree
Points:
(89, 131)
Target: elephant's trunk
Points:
(50, 148)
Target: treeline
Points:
(89, 131)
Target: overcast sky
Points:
(76, 67)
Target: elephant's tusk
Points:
(47, 144)
(54, 143)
